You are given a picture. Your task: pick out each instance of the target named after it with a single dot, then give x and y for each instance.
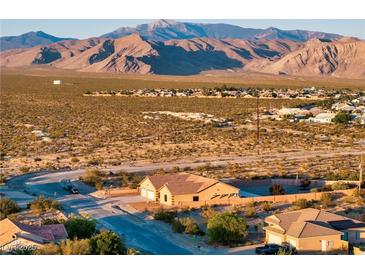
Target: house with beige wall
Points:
(15, 235)
(314, 231)
(184, 188)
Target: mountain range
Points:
(29, 39)
(175, 48)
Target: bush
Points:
(2, 178)
(129, 179)
(266, 206)
(67, 247)
(326, 199)
(107, 243)
(75, 247)
(208, 212)
(177, 226)
(227, 228)
(93, 177)
(356, 193)
(277, 189)
(190, 226)
(343, 117)
(250, 212)
(7, 207)
(339, 186)
(301, 204)
(133, 251)
(42, 204)
(165, 215)
(81, 228)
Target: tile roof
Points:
(312, 222)
(9, 230)
(182, 183)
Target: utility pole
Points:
(258, 120)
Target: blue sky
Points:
(83, 28)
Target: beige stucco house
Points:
(313, 230)
(184, 188)
(15, 235)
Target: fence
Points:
(273, 198)
(115, 192)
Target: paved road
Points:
(136, 232)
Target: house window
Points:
(345, 236)
(165, 197)
(195, 198)
(357, 235)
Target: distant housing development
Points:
(173, 189)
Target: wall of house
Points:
(315, 243)
(146, 184)
(352, 235)
(207, 194)
(170, 198)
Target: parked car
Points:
(74, 190)
(273, 249)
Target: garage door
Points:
(143, 192)
(273, 239)
(150, 195)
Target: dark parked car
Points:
(273, 249)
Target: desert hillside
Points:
(134, 54)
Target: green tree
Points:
(107, 243)
(227, 228)
(7, 207)
(81, 228)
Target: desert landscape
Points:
(171, 137)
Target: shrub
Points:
(166, 216)
(42, 204)
(7, 207)
(133, 251)
(250, 212)
(266, 206)
(343, 117)
(277, 189)
(24, 169)
(93, 177)
(75, 247)
(2, 178)
(326, 199)
(301, 204)
(107, 243)
(208, 213)
(339, 186)
(190, 226)
(67, 247)
(227, 228)
(80, 228)
(356, 192)
(177, 226)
